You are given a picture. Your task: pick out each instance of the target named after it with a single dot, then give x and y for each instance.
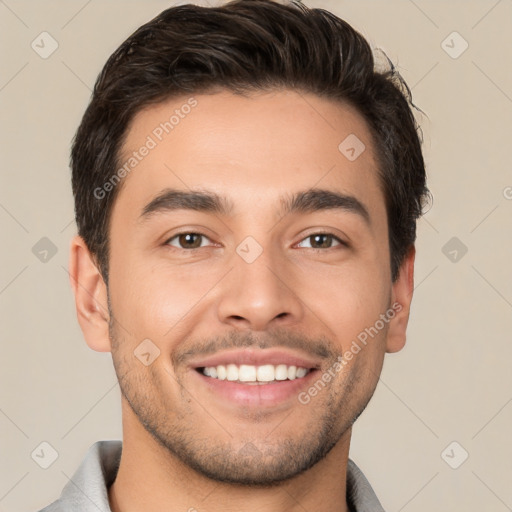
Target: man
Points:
(247, 187)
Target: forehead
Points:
(251, 149)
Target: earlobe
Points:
(402, 292)
(90, 294)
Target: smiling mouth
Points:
(256, 375)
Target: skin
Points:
(190, 440)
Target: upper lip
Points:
(256, 357)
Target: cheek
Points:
(161, 301)
(346, 299)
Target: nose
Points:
(259, 295)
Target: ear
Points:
(401, 297)
(90, 296)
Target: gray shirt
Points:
(87, 491)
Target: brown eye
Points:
(323, 240)
(187, 240)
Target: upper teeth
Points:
(249, 373)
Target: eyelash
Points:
(341, 242)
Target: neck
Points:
(151, 478)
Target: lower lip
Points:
(268, 394)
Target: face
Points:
(249, 255)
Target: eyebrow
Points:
(304, 201)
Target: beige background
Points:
(452, 382)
